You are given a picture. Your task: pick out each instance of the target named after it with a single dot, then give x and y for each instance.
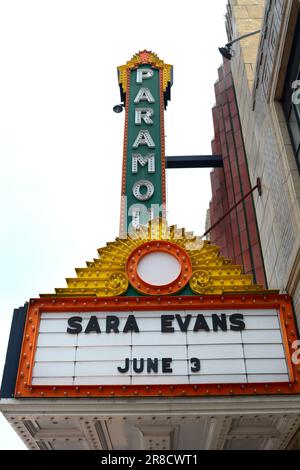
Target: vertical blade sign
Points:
(145, 84)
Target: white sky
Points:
(61, 143)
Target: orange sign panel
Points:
(159, 346)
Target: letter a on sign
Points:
(144, 94)
(144, 138)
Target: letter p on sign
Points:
(143, 73)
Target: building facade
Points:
(257, 131)
(264, 72)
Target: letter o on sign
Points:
(145, 195)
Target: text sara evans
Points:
(168, 323)
(223, 322)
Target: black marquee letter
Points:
(183, 324)
(138, 369)
(236, 321)
(126, 366)
(152, 365)
(195, 367)
(219, 322)
(75, 324)
(201, 323)
(166, 365)
(93, 325)
(131, 325)
(166, 323)
(112, 324)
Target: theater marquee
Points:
(160, 311)
(158, 346)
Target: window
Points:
(291, 94)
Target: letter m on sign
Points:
(147, 159)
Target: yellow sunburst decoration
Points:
(203, 268)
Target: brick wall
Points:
(237, 235)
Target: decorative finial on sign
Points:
(141, 58)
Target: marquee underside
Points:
(264, 423)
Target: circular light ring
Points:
(165, 247)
